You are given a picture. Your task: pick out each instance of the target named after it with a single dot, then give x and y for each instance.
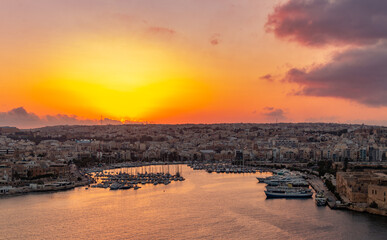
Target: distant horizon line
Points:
(181, 124)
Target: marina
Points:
(193, 120)
(128, 178)
(229, 206)
(223, 167)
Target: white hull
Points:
(288, 194)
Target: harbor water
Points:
(204, 206)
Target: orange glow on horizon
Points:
(173, 63)
(126, 82)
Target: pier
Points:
(318, 185)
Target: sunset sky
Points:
(192, 61)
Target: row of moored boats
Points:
(286, 184)
(222, 168)
(124, 181)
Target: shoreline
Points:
(315, 182)
(26, 190)
(368, 210)
(85, 173)
(88, 170)
(318, 185)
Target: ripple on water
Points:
(205, 206)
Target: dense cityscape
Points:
(193, 119)
(352, 158)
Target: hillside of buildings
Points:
(356, 154)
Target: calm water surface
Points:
(205, 206)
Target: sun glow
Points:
(125, 81)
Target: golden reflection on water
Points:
(204, 206)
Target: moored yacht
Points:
(320, 199)
(288, 193)
(115, 186)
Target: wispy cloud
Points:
(267, 77)
(162, 30)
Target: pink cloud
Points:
(215, 39)
(162, 30)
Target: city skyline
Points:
(71, 62)
(193, 119)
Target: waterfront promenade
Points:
(318, 185)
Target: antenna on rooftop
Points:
(101, 120)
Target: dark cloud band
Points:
(321, 22)
(358, 73)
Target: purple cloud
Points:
(19, 117)
(321, 22)
(356, 74)
(274, 113)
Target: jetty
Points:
(318, 185)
